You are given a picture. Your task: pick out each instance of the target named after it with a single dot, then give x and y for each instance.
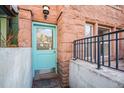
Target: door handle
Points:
(54, 50)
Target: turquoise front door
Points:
(44, 46)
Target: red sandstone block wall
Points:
(25, 27)
(70, 26)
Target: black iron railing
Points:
(104, 50)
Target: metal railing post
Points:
(91, 50)
(116, 50)
(109, 64)
(98, 53)
(103, 50)
(84, 50)
(87, 49)
(74, 51)
(95, 50)
(79, 49)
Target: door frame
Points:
(47, 25)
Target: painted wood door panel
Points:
(44, 46)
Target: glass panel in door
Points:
(44, 39)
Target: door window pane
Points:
(44, 39)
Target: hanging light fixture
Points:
(45, 11)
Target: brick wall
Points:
(70, 26)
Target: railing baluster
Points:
(78, 49)
(95, 50)
(84, 50)
(87, 49)
(109, 63)
(74, 50)
(103, 50)
(98, 53)
(91, 50)
(116, 50)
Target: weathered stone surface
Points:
(92, 77)
(65, 47)
(63, 56)
(15, 68)
(24, 36)
(23, 14)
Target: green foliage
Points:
(11, 38)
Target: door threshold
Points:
(44, 76)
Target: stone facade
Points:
(70, 21)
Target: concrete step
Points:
(44, 76)
(47, 83)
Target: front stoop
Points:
(47, 80)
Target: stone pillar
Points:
(64, 55)
(70, 28)
(95, 32)
(25, 27)
(121, 46)
(113, 44)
